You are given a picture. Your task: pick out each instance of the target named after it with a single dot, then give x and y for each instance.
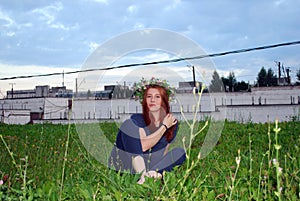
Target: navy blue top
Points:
(128, 138)
(128, 145)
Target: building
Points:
(62, 92)
(40, 91)
(187, 87)
(114, 91)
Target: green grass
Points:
(39, 168)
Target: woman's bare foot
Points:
(152, 174)
(141, 180)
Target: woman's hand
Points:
(148, 141)
(169, 120)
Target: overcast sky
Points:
(53, 36)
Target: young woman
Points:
(142, 143)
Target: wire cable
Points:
(161, 62)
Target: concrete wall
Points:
(262, 114)
(47, 108)
(56, 108)
(32, 104)
(15, 116)
(261, 105)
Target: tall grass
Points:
(250, 161)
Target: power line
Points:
(161, 62)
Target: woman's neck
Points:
(156, 118)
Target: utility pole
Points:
(288, 70)
(63, 78)
(279, 66)
(12, 90)
(124, 89)
(279, 70)
(194, 79)
(76, 88)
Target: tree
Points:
(298, 75)
(231, 81)
(216, 83)
(225, 83)
(262, 77)
(266, 78)
(241, 86)
(271, 78)
(89, 94)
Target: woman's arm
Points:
(149, 141)
(167, 149)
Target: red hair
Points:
(165, 106)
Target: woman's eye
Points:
(157, 96)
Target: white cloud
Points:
(279, 2)
(173, 5)
(138, 25)
(10, 33)
(101, 1)
(49, 15)
(59, 25)
(10, 25)
(132, 9)
(8, 21)
(93, 46)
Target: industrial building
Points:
(40, 91)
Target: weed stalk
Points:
(260, 176)
(250, 166)
(65, 154)
(276, 163)
(191, 164)
(233, 179)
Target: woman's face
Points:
(153, 99)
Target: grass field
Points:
(250, 162)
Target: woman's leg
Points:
(119, 160)
(173, 158)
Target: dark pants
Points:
(122, 161)
(173, 158)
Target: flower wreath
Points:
(140, 88)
